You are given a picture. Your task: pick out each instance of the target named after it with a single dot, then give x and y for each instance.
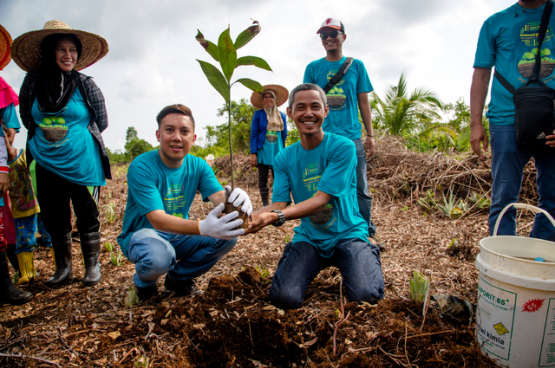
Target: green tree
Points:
(137, 146)
(131, 134)
(402, 113)
(225, 53)
(458, 115)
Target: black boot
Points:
(62, 256)
(12, 256)
(90, 246)
(264, 196)
(9, 293)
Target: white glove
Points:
(238, 197)
(221, 227)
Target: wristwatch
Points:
(281, 219)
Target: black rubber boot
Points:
(264, 197)
(12, 256)
(8, 292)
(62, 256)
(90, 246)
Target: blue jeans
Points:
(507, 167)
(358, 261)
(182, 257)
(363, 196)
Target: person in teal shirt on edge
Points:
(156, 233)
(344, 100)
(319, 171)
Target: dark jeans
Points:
(507, 168)
(54, 196)
(363, 195)
(263, 171)
(358, 261)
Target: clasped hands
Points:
(224, 227)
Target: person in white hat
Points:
(268, 133)
(64, 113)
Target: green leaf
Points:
(227, 54)
(253, 60)
(209, 46)
(216, 79)
(247, 35)
(250, 84)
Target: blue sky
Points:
(152, 44)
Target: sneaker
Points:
(380, 246)
(182, 288)
(146, 293)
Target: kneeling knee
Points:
(286, 299)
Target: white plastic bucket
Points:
(515, 318)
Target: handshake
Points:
(226, 226)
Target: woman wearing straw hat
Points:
(268, 132)
(64, 113)
(8, 100)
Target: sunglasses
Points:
(332, 34)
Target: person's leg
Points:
(26, 228)
(85, 206)
(507, 164)
(42, 231)
(196, 254)
(56, 215)
(361, 268)
(263, 182)
(152, 254)
(54, 202)
(363, 196)
(298, 266)
(545, 164)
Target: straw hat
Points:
(281, 95)
(26, 48)
(5, 42)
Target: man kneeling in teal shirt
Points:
(156, 234)
(319, 171)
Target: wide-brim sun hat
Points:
(25, 49)
(257, 99)
(5, 42)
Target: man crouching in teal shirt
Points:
(319, 171)
(156, 235)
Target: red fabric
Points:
(3, 242)
(9, 224)
(7, 94)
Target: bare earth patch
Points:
(233, 325)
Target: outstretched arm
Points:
(265, 217)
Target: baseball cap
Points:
(332, 23)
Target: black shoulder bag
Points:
(534, 105)
(340, 73)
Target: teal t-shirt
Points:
(342, 98)
(64, 145)
(510, 44)
(329, 168)
(154, 186)
(9, 118)
(273, 144)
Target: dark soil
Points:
(233, 324)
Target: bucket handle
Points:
(523, 206)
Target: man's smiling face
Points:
(308, 112)
(176, 136)
(332, 43)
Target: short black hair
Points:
(175, 109)
(307, 87)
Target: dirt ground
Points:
(233, 325)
